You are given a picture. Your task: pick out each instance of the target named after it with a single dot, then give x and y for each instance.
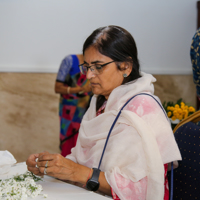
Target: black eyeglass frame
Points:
(89, 67)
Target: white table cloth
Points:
(55, 189)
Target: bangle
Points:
(68, 90)
(81, 92)
(88, 177)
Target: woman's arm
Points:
(64, 169)
(81, 176)
(61, 88)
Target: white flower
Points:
(21, 176)
(20, 187)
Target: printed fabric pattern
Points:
(72, 107)
(195, 59)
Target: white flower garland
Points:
(20, 187)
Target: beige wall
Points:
(29, 120)
(174, 87)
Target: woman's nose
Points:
(89, 74)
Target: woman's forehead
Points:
(92, 55)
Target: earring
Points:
(124, 75)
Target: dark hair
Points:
(117, 44)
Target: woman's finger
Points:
(45, 170)
(31, 160)
(43, 153)
(35, 171)
(45, 157)
(44, 163)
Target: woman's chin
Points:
(96, 91)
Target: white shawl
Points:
(139, 144)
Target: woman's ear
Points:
(126, 68)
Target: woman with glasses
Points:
(74, 90)
(132, 163)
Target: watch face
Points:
(92, 185)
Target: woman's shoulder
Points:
(144, 104)
(68, 58)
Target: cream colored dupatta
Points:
(139, 144)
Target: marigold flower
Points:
(179, 110)
(176, 115)
(173, 118)
(169, 114)
(185, 111)
(191, 109)
(175, 111)
(182, 104)
(180, 117)
(170, 108)
(177, 106)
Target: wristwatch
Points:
(93, 183)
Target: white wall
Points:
(36, 34)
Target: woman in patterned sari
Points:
(74, 90)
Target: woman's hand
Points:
(32, 164)
(64, 169)
(61, 88)
(58, 166)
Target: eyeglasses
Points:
(95, 68)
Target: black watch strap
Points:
(93, 183)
